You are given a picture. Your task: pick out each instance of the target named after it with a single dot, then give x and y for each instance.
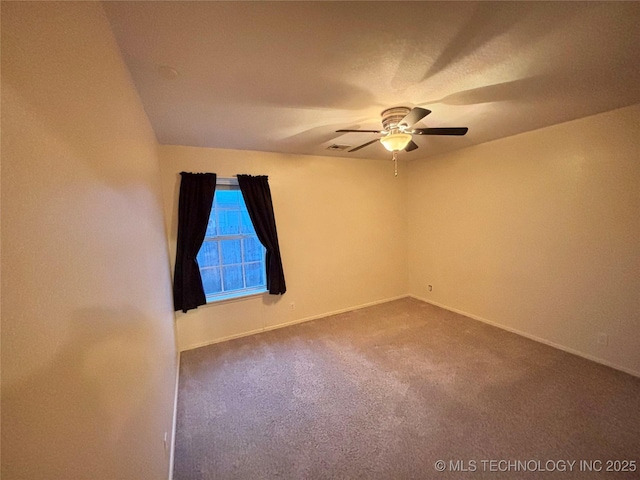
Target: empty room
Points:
(320, 240)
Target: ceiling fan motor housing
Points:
(391, 118)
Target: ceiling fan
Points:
(397, 129)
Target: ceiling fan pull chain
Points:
(395, 162)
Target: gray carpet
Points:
(386, 391)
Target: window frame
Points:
(232, 184)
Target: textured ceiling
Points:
(283, 76)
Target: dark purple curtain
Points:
(196, 198)
(257, 196)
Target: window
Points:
(231, 258)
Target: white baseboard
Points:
(593, 358)
(172, 447)
(335, 312)
(222, 339)
(293, 322)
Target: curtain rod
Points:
(227, 180)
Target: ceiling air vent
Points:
(340, 148)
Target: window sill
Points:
(235, 296)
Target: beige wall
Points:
(341, 226)
(88, 348)
(539, 233)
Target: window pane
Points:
(208, 254)
(247, 226)
(252, 249)
(254, 274)
(231, 251)
(211, 280)
(232, 258)
(233, 277)
(211, 226)
(229, 222)
(227, 198)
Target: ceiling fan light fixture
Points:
(395, 142)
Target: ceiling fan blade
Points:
(365, 131)
(441, 131)
(414, 116)
(411, 146)
(364, 145)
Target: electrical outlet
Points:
(292, 305)
(603, 339)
